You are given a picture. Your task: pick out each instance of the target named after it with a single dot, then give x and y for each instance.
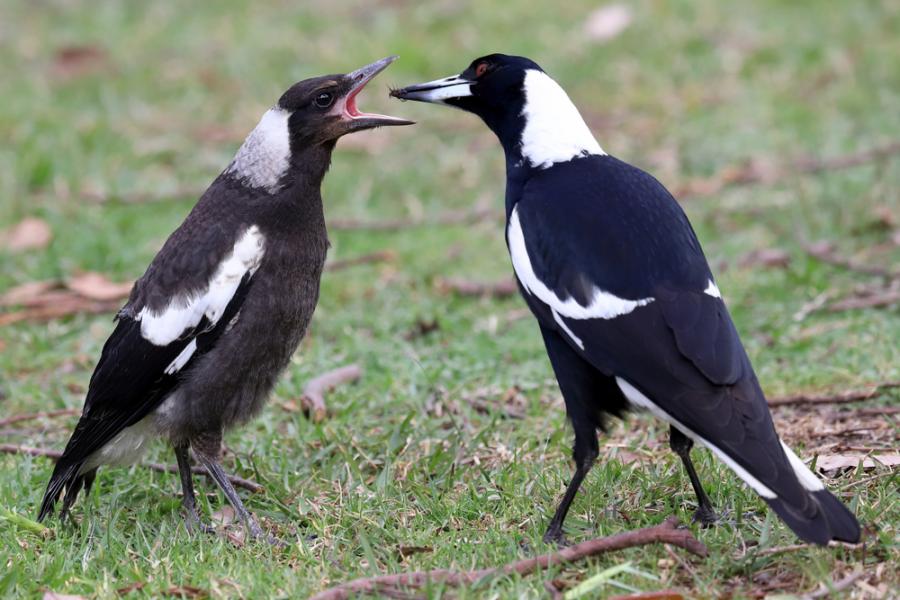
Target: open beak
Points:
(346, 106)
(438, 91)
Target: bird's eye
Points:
(324, 100)
(481, 69)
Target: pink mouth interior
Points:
(350, 105)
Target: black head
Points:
(531, 114)
(307, 120)
(492, 87)
(322, 109)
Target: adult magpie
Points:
(220, 310)
(629, 311)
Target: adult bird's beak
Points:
(438, 91)
(346, 106)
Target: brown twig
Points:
(826, 591)
(313, 399)
(365, 259)
(755, 171)
(877, 299)
(63, 412)
(63, 309)
(496, 289)
(827, 252)
(158, 467)
(838, 398)
(449, 218)
(665, 533)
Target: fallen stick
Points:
(827, 253)
(63, 412)
(365, 259)
(827, 591)
(158, 467)
(884, 298)
(496, 289)
(838, 398)
(64, 309)
(665, 533)
(313, 399)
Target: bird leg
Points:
(189, 502)
(583, 464)
(681, 445)
(221, 478)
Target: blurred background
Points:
(776, 123)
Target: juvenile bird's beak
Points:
(439, 91)
(346, 106)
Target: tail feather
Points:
(65, 475)
(814, 513)
(824, 519)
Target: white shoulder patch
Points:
(602, 305)
(265, 155)
(712, 290)
(637, 398)
(554, 130)
(182, 313)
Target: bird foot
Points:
(193, 523)
(257, 534)
(556, 536)
(705, 516)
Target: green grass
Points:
(404, 459)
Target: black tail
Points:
(819, 518)
(65, 475)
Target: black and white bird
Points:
(217, 315)
(629, 311)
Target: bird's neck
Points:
(548, 129)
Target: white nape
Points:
(264, 157)
(183, 313)
(712, 290)
(602, 305)
(807, 478)
(637, 398)
(554, 130)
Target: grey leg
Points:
(189, 502)
(681, 445)
(221, 478)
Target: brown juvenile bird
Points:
(220, 310)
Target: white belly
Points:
(126, 448)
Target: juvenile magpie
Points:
(629, 311)
(220, 310)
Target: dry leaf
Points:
(27, 292)
(607, 22)
(95, 286)
(223, 516)
(77, 61)
(833, 462)
(29, 234)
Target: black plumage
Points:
(224, 304)
(627, 305)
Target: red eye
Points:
(481, 69)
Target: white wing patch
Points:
(712, 290)
(264, 157)
(637, 398)
(565, 328)
(182, 359)
(554, 130)
(183, 313)
(602, 305)
(807, 478)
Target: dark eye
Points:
(324, 100)
(481, 69)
